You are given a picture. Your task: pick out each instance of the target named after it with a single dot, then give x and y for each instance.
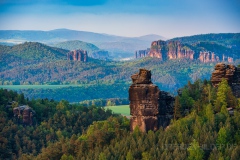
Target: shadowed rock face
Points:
(77, 55)
(150, 108)
(24, 114)
(229, 72)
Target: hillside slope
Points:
(76, 44)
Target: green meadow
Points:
(121, 109)
(17, 87)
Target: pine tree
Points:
(195, 151)
(177, 108)
(222, 139)
(222, 95)
(129, 156)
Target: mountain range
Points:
(117, 46)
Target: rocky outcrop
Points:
(165, 50)
(78, 55)
(206, 56)
(24, 114)
(229, 72)
(150, 108)
(177, 51)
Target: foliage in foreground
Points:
(54, 121)
(204, 132)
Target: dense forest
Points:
(202, 128)
(102, 79)
(53, 121)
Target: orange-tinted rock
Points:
(168, 50)
(164, 50)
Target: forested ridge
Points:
(202, 128)
(225, 39)
(74, 45)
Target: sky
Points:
(130, 18)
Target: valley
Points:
(172, 62)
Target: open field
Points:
(17, 87)
(121, 109)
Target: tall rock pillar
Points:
(144, 102)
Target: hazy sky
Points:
(168, 18)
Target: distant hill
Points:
(76, 44)
(33, 51)
(119, 47)
(231, 40)
(152, 37)
(29, 53)
(58, 35)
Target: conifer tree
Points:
(177, 108)
(222, 95)
(195, 151)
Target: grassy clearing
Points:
(121, 109)
(17, 87)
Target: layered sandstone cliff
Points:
(150, 108)
(165, 50)
(78, 55)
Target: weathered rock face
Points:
(77, 55)
(150, 108)
(24, 114)
(229, 72)
(167, 50)
(177, 51)
(208, 57)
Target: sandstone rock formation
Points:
(177, 51)
(24, 114)
(150, 108)
(206, 57)
(165, 50)
(229, 72)
(78, 55)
